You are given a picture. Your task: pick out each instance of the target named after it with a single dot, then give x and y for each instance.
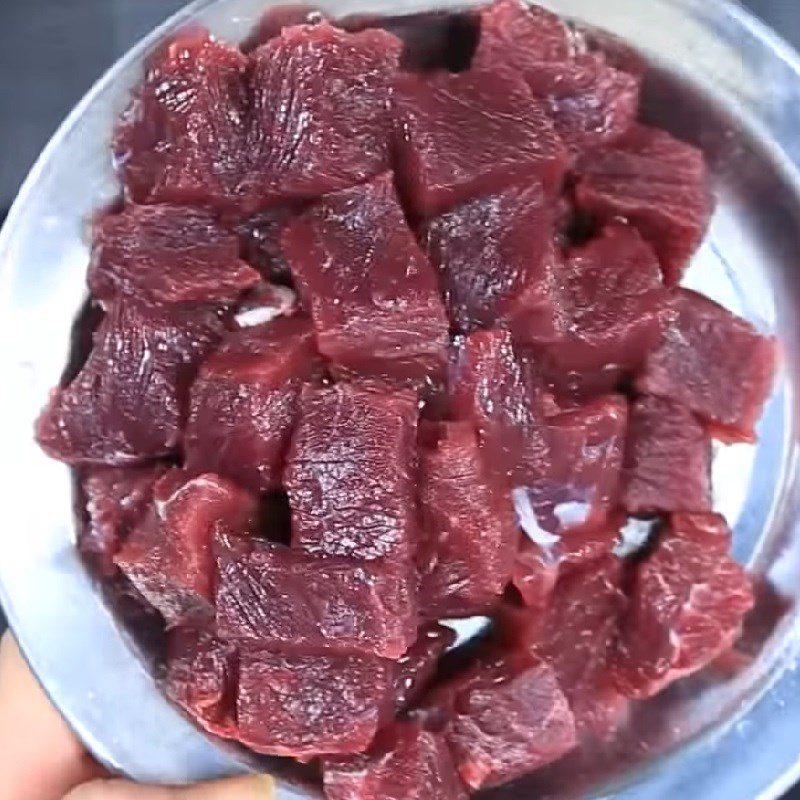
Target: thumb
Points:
(250, 787)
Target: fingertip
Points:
(248, 787)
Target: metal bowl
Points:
(720, 79)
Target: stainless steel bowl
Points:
(720, 79)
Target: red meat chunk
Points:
(292, 602)
(471, 134)
(116, 500)
(576, 635)
(470, 524)
(667, 460)
(275, 19)
(350, 474)
(304, 706)
(167, 254)
(510, 718)
(714, 363)
(168, 557)
(686, 606)
(128, 402)
(617, 309)
(498, 265)
(320, 111)
(244, 402)
(415, 668)
(201, 678)
(371, 293)
(405, 763)
(183, 140)
(660, 185)
(260, 241)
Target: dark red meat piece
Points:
(714, 363)
(244, 402)
(509, 718)
(306, 706)
(667, 460)
(471, 134)
(129, 401)
(371, 293)
(469, 522)
(350, 474)
(183, 140)
(168, 557)
(285, 600)
(498, 264)
(660, 185)
(201, 678)
(415, 668)
(577, 635)
(320, 111)
(405, 763)
(617, 308)
(260, 241)
(275, 19)
(167, 254)
(116, 500)
(686, 606)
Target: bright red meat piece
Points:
(471, 134)
(116, 500)
(686, 606)
(498, 264)
(168, 557)
(660, 185)
(320, 111)
(372, 295)
(129, 401)
(244, 402)
(305, 706)
(351, 476)
(714, 363)
(201, 678)
(167, 254)
(288, 601)
(667, 460)
(275, 19)
(469, 522)
(405, 763)
(509, 718)
(183, 140)
(617, 310)
(417, 666)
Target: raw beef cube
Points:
(260, 241)
(509, 719)
(116, 500)
(371, 292)
(288, 601)
(471, 134)
(417, 666)
(128, 402)
(520, 36)
(667, 460)
(244, 402)
(167, 254)
(660, 185)
(497, 262)
(686, 606)
(275, 19)
(320, 112)
(470, 523)
(350, 474)
(201, 678)
(183, 140)
(576, 635)
(405, 763)
(304, 706)
(617, 309)
(168, 557)
(714, 363)
(431, 39)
